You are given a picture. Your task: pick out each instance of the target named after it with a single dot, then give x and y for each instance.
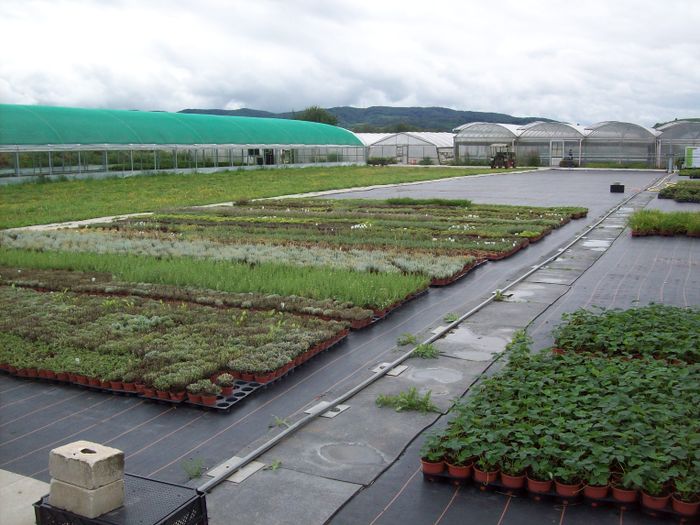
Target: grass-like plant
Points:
(408, 400)
(426, 351)
(406, 339)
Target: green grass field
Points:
(42, 203)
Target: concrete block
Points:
(87, 465)
(85, 502)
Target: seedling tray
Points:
(497, 486)
(146, 502)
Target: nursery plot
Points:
(160, 346)
(684, 191)
(656, 222)
(596, 413)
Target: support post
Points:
(16, 163)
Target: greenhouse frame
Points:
(56, 141)
(555, 143)
(410, 147)
(675, 137)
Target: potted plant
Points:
(686, 497)
(486, 466)
(432, 455)
(459, 455)
(624, 486)
(655, 493)
(513, 473)
(225, 381)
(567, 480)
(209, 392)
(539, 478)
(162, 386)
(194, 392)
(597, 479)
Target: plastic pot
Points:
(595, 491)
(484, 476)
(513, 482)
(194, 398)
(624, 495)
(567, 490)
(226, 391)
(432, 467)
(537, 486)
(209, 399)
(655, 502)
(459, 471)
(684, 507)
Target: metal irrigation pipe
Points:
(242, 462)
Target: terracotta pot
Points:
(50, 374)
(32, 372)
(12, 369)
(129, 387)
(139, 387)
(655, 502)
(236, 374)
(105, 384)
(149, 392)
(194, 398)
(459, 471)
(595, 491)
(62, 376)
(21, 372)
(432, 467)
(567, 490)
(41, 373)
(247, 376)
(163, 394)
(537, 486)
(683, 507)
(178, 396)
(94, 381)
(209, 399)
(265, 377)
(485, 477)
(82, 379)
(116, 385)
(226, 391)
(624, 495)
(512, 482)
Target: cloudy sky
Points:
(582, 61)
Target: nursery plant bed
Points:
(456, 277)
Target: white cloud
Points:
(584, 62)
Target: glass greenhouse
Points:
(42, 140)
(548, 143)
(675, 137)
(410, 147)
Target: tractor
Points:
(502, 156)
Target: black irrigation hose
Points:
(251, 456)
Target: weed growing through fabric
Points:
(193, 467)
(451, 317)
(408, 400)
(406, 339)
(426, 351)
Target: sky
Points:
(581, 62)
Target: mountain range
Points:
(389, 119)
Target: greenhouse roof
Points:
(45, 125)
(487, 131)
(624, 131)
(552, 130)
(680, 130)
(438, 139)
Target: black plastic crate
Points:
(146, 502)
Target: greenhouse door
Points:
(556, 152)
(402, 154)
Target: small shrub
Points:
(426, 161)
(225, 380)
(451, 317)
(408, 400)
(426, 351)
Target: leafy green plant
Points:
(426, 351)
(193, 467)
(408, 400)
(225, 380)
(406, 339)
(433, 449)
(451, 317)
(274, 465)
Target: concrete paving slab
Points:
(471, 341)
(565, 276)
(17, 494)
(239, 475)
(282, 496)
(529, 292)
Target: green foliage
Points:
(225, 380)
(451, 317)
(407, 201)
(659, 331)
(426, 351)
(317, 114)
(585, 416)
(25, 204)
(406, 339)
(193, 467)
(685, 191)
(381, 161)
(656, 222)
(426, 161)
(407, 400)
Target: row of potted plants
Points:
(656, 330)
(580, 420)
(684, 191)
(129, 341)
(656, 222)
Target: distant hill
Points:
(387, 118)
